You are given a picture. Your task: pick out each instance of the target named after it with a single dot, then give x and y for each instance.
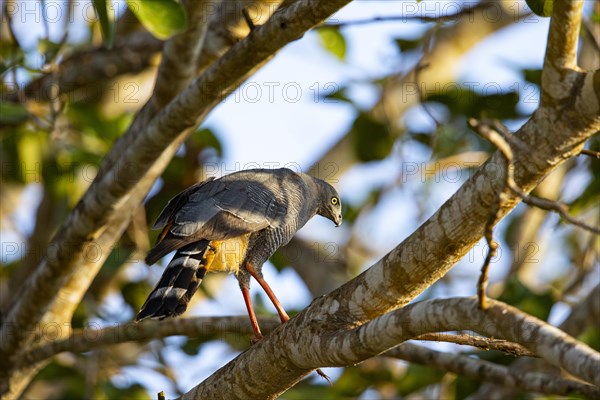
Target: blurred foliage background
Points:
(67, 96)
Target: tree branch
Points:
(480, 342)
(481, 370)
(84, 69)
(563, 36)
(467, 11)
(499, 321)
(309, 341)
(83, 340)
(560, 62)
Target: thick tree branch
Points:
(499, 321)
(309, 340)
(83, 340)
(126, 165)
(481, 370)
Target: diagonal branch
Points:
(467, 11)
(481, 370)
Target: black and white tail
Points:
(177, 284)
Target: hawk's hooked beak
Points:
(338, 220)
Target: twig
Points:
(248, 20)
(501, 137)
(492, 250)
(417, 71)
(480, 342)
(590, 153)
(504, 143)
(404, 18)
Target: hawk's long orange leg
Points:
(282, 314)
(246, 293)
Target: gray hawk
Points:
(232, 224)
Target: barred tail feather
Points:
(177, 284)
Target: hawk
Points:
(233, 224)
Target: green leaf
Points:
(372, 139)
(31, 149)
(191, 347)
(466, 102)
(408, 44)
(543, 8)
(12, 113)
(339, 94)
(163, 18)
(418, 377)
(333, 41)
(279, 260)
(533, 76)
(49, 49)
(107, 25)
(518, 295)
(591, 337)
(205, 138)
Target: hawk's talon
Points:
(256, 339)
(323, 375)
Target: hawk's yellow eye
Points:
(334, 201)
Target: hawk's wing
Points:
(235, 205)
